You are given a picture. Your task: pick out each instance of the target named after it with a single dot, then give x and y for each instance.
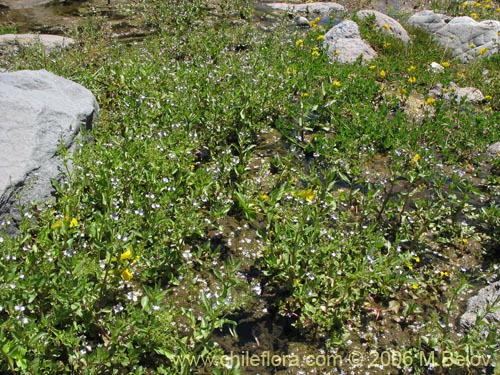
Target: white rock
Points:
(316, 8)
(387, 24)
(436, 67)
(302, 22)
(345, 44)
(464, 37)
(478, 304)
(458, 94)
(494, 148)
(49, 42)
(40, 111)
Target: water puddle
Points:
(60, 18)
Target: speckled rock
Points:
(345, 44)
(10, 42)
(40, 112)
(478, 304)
(316, 8)
(387, 24)
(464, 37)
(458, 94)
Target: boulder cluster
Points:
(464, 37)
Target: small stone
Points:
(494, 149)
(478, 305)
(302, 22)
(436, 67)
(458, 94)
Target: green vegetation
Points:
(360, 208)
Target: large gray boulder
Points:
(464, 37)
(345, 44)
(385, 23)
(9, 42)
(486, 297)
(40, 113)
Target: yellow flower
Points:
(57, 224)
(411, 68)
(477, 4)
(299, 43)
(482, 51)
(385, 45)
(464, 5)
(412, 79)
(474, 16)
(464, 240)
(402, 91)
(126, 255)
(73, 223)
(314, 23)
(386, 26)
(372, 67)
(416, 158)
(443, 273)
(126, 275)
(320, 37)
(445, 64)
(382, 73)
(307, 194)
(263, 197)
(336, 83)
(415, 286)
(471, 45)
(336, 52)
(315, 52)
(304, 94)
(488, 97)
(417, 258)
(430, 101)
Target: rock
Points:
(22, 4)
(302, 22)
(436, 67)
(457, 94)
(494, 149)
(317, 8)
(40, 112)
(49, 42)
(429, 21)
(478, 304)
(387, 24)
(464, 37)
(345, 44)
